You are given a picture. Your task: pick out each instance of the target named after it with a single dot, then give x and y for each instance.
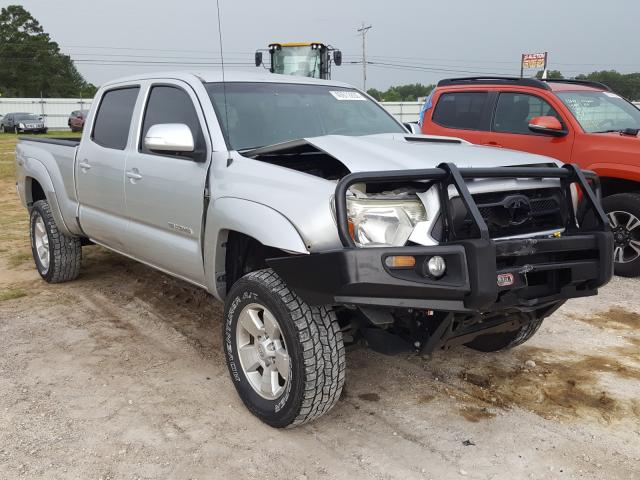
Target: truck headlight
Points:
(378, 223)
(21, 125)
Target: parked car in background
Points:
(76, 120)
(573, 121)
(318, 220)
(22, 123)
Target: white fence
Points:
(404, 111)
(54, 111)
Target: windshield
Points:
(302, 61)
(27, 116)
(601, 111)
(262, 114)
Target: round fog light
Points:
(436, 266)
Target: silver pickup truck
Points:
(319, 220)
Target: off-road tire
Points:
(314, 343)
(625, 202)
(494, 342)
(65, 252)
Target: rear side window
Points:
(172, 105)
(461, 110)
(514, 110)
(113, 120)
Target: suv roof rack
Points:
(525, 82)
(587, 83)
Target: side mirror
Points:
(169, 137)
(413, 128)
(258, 59)
(337, 57)
(547, 126)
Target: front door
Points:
(510, 126)
(100, 168)
(165, 190)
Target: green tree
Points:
(402, 93)
(31, 63)
(626, 85)
(550, 74)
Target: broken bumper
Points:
(534, 272)
(542, 271)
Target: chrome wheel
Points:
(41, 240)
(262, 351)
(626, 236)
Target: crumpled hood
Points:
(394, 152)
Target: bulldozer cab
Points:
(301, 59)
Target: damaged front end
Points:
(500, 260)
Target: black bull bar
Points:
(543, 270)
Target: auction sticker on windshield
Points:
(346, 95)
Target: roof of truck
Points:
(215, 75)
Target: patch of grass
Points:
(12, 294)
(7, 170)
(18, 258)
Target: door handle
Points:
(84, 165)
(134, 174)
(493, 144)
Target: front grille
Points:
(513, 213)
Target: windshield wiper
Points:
(633, 132)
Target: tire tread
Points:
(321, 339)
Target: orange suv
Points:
(573, 121)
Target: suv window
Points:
(172, 105)
(461, 110)
(514, 110)
(113, 120)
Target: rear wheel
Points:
(623, 211)
(286, 359)
(494, 342)
(57, 256)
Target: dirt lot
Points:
(120, 374)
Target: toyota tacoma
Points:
(318, 220)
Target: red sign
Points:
(534, 60)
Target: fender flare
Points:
(35, 170)
(258, 221)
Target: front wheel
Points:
(286, 359)
(623, 211)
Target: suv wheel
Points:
(286, 359)
(57, 256)
(623, 211)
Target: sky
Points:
(411, 41)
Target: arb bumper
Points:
(482, 274)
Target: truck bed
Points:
(63, 141)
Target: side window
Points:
(172, 105)
(461, 110)
(514, 110)
(113, 120)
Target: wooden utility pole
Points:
(363, 31)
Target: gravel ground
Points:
(120, 374)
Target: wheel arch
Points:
(615, 185)
(250, 230)
(38, 186)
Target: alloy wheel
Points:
(262, 350)
(626, 235)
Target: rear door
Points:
(510, 126)
(164, 191)
(100, 168)
(464, 114)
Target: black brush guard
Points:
(542, 271)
